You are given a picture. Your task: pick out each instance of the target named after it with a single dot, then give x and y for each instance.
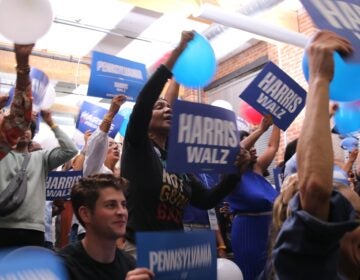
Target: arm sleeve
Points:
(208, 198)
(141, 115)
(14, 125)
(59, 155)
(307, 245)
(95, 152)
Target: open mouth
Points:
(168, 117)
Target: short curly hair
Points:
(86, 191)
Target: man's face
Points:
(26, 138)
(110, 215)
(161, 116)
(113, 152)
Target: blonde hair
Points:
(280, 213)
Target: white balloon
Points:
(228, 270)
(49, 98)
(25, 21)
(222, 104)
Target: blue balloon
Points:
(196, 66)
(125, 113)
(38, 262)
(344, 86)
(347, 117)
(349, 143)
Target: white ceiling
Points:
(138, 30)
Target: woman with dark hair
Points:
(251, 203)
(156, 198)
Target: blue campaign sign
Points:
(59, 184)
(178, 255)
(111, 75)
(341, 17)
(203, 139)
(278, 177)
(274, 92)
(91, 116)
(39, 83)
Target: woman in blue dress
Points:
(251, 203)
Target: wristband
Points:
(221, 247)
(23, 70)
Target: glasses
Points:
(111, 144)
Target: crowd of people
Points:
(310, 229)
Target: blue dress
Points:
(251, 201)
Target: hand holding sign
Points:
(342, 17)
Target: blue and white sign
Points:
(278, 177)
(111, 76)
(341, 17)
(274, 92)
(39, 83)
(178, 255)
(91, 116)
(203, 139)
(59, 184)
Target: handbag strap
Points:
(25, 162)
(18, 177)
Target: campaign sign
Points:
(341, 17)
(178, 255)
(274, 92)
(111, 76)
(91, 116)
(59, 184)
(203, 139)
(278, 177)
(39, 83)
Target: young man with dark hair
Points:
(100, 206)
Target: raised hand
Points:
(320, 52)
(266, 122)
(116, 103)
(186, 37)
(47, 117)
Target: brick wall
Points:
(288, 57)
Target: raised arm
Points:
(172, 92)
(250, 140)
(314, 150)
(266, 158)
(98, 142)
(141, 115)
(66, 150)
(14, 125)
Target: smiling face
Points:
(161, 117)
(109, 217)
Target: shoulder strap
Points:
(25, 162)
